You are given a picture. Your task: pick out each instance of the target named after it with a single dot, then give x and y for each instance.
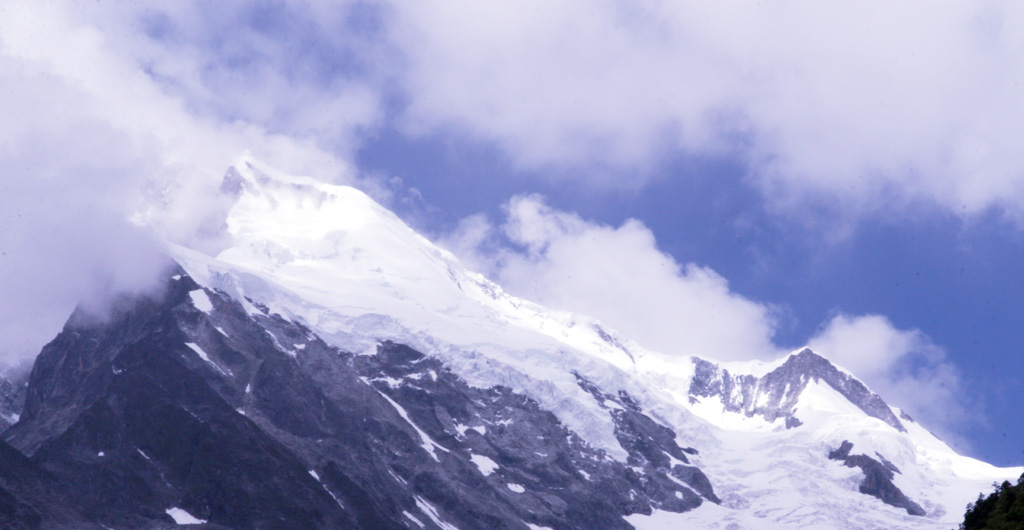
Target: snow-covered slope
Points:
(331, 259)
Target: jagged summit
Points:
(778, 393)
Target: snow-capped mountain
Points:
(331, 368)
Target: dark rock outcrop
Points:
(878, 477)
(32, 499)
(653, 447)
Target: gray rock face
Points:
(12, 397)
(653, 447)
(878, 475)
(251, 421)
(118, 414)
(775, 395)
(31, 499)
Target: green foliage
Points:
(1002, 510)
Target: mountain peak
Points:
(279, 222)
(247, 175)
(780, 392)
(808, 355)
(810, 364)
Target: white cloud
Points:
(67, 184)
(300, 69)
(89, 137)
(866, 345)
(618, 275)
(880, 104)
(903, 366)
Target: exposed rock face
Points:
(32, 499)
(878, 477)
(123, 414)
(12, 398)
(776, 394)
(653, 447)
(248, 420)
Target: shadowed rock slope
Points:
(246, 420)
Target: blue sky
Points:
(725, 180)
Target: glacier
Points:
(331, 259)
